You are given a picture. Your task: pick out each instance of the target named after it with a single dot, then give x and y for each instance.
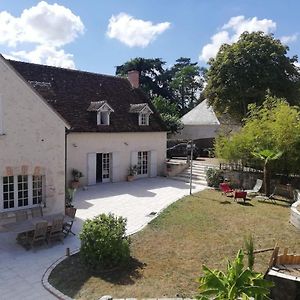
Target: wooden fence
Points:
(283, 259)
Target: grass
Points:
(169, 253)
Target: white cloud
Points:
(43, 24)
(297, 64)
(134, 32)
(231, 32)
(47, 27)
(48, 55)
(289, 38)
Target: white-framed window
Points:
(8, 192)
(37, 189)
(103, 118)
(143, 119)
(21, 191)
(142, 163)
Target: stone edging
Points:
(295, 213)
(55, 292)
(45, 279)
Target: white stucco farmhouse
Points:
(32, 148)
(113, 125)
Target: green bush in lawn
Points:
(103, 242)
(214, 177)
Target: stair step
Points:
(199, 173)
(195, 181)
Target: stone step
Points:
(195, 181)
(199, 173)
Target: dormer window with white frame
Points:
(103, 110)
(144, 111)
(143, 119)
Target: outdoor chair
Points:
(56, 230)
(256, 188)
(36, 212)
(226, 189)
(39, 234)
(21, 215)
(240, 195)
(70, 212)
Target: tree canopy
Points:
(274, 125)
(180, 84)
(243, 72)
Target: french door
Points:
(143, 161)
(106, 167)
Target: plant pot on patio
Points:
(75, 183)
(130, 178)
(131, 173)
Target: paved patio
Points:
(21, 271)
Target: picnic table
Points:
(29, 225)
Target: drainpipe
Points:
(66, 155)
(191, 164)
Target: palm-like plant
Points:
(236, 283)
(266, 156)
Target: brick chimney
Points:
(134, 78)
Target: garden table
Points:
(29, 225)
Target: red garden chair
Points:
(226, 189)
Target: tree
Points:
(153, 78)
(169, 114)
(242, 72)
(236, 283)
(181, 84)
(275, 125)
(266, 156)
(186, 86)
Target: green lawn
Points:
(168, 254)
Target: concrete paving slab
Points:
(21, 271)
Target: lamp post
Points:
(191, 166)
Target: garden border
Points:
(59, 295)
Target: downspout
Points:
(66, 156)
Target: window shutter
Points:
(153, 163)
(134, 158)
(1, 116)
(116, 166)
(91, 168)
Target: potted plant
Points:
(131, 173)
(69, 196)
(76, 176)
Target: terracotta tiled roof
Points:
(72, 92)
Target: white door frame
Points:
(106, 167)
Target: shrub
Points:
(103, 242)
(214, 177)
(237, 282)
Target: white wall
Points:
(196, 132)
(33, 137)
(123, 144)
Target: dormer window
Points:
(103, 110)
(103, 118)
(143, 119)
(143, 110)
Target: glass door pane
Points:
(105, 167)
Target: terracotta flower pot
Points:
(75, 184)
(130, 178)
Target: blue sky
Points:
(97, 35)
